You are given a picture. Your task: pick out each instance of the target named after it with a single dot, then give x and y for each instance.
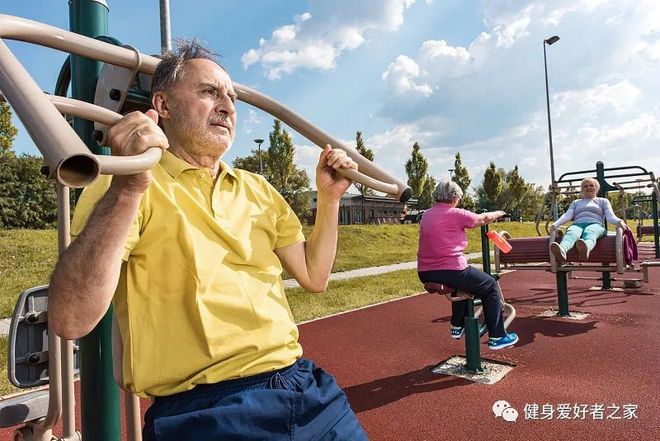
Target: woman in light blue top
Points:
(590, 215)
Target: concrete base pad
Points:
(600, 288)
(494, 371)
(574, 315)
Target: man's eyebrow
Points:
(204, 84)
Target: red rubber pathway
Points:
(592, 379)
(382, 356)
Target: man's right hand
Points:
(132, 135)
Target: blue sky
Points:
(455, 75)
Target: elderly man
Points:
(191, 255)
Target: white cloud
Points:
(509, 29)
(598, 101)
(248, 123)
(318, 37)
(488, 98)
(401, 76)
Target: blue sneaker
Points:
(509, 339)
(458, 331)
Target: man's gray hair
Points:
(447, 191)
(171, 67)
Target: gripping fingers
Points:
(339, 159)
(134, 134)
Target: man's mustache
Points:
(222, 119)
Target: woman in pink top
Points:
(440, 259)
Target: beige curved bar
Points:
(34, 32)
(67, 155)
(369, 174)
(618, 245)
(552, 259)
(109, 165)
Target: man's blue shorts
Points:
(300, 402)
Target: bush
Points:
(28, 199)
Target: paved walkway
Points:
(292, 283)
(361, 272)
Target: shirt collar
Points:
(175, 166)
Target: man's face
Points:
(202, 116)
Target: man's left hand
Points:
(329, 182)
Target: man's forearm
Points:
(321, 246)
(87, 273)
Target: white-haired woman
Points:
(440, 259)
(590, 215)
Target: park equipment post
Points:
(485, 249)
(604, 189)
(472, 350)
(656, 231)
(99, 393)
(562, 293)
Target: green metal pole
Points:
(656, 231)
(99, 393)
(472, 351)
(485, 249)
(604, 189)
(562, 293)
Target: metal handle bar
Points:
(48, 131)
(67, 155)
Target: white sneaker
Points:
(582, 249)
(558, 252)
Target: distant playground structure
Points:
(612, 254)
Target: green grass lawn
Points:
(5, 386)
(28, 258)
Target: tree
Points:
(513, 192)
(417, 168)
(251, 162)
(462, 177)
(367, 153)
(280, 170)
(426, 197)
(27, 197)
(532, 202)
(492, 185)
(7, 130)
(364, 190)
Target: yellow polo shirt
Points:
(200, 297)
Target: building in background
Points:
(372, 209)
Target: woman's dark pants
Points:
(478, 283)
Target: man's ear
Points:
(159, 103)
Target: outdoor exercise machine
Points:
(608, 256)
(647, 230)
(472, 336)
(623, 179)
(116, 79)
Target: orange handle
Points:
(499, 241)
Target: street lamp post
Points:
(550, 41)
(261, 166)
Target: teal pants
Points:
(589, 232)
